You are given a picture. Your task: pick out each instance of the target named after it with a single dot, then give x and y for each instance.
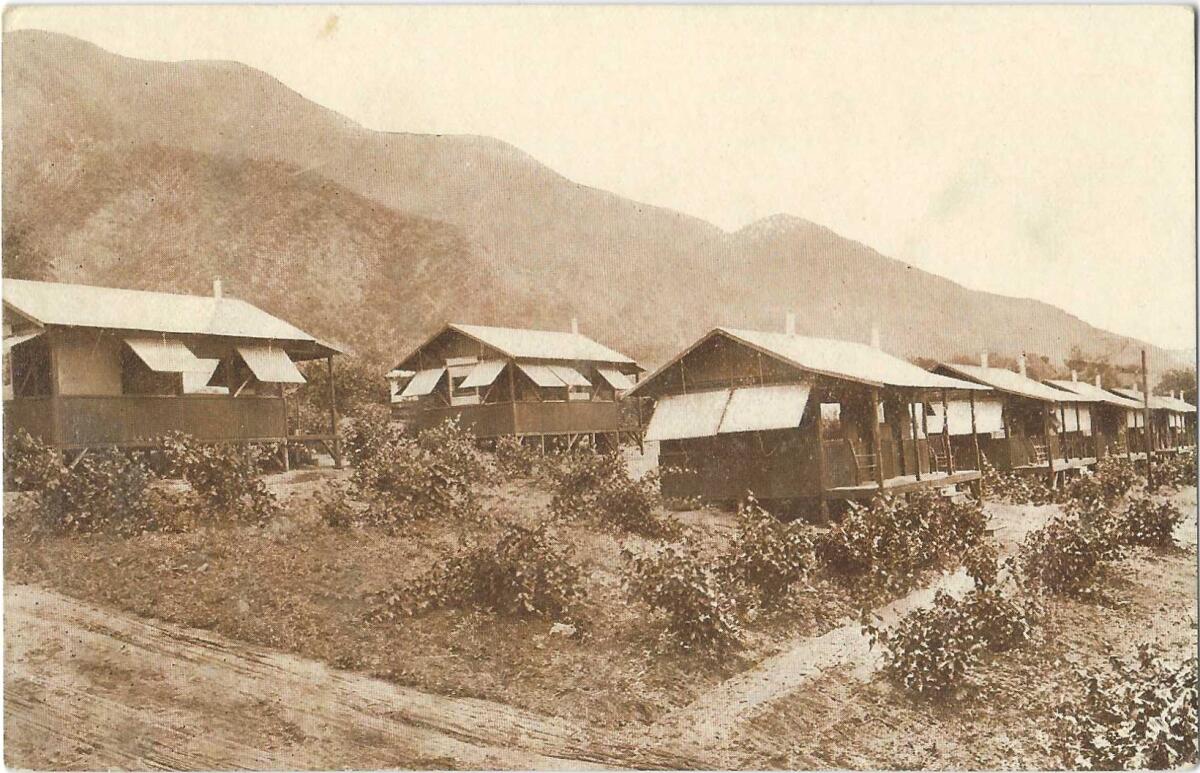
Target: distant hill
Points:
(158, 174)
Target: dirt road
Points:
(93, 689)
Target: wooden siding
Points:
(131, 420)
(530, 418)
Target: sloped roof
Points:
(75, 305)
(1157, 402)
(1092, 393)
(1010, 382)
(828, 357)
(524, 344)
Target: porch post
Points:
(1062, 417)
(819, 431)
(1079, 426)
(333, 415)
(287, 464)
(876, 445)
(1149, 432)
(975, 441)
(1128, 435)
(56, 422)
(912, 416)
(946, 434)
(1046, 435)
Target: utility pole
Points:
(1149, 433)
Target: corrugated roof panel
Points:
(1157, 402)
(847, 359)
(1011, 382)
(165, 355)
(484, 374)
(759, 408)
(73, 305)
(569, 375)
(615, 378)
(1092, 393)
(677, 417)
(541, 375)
(423, 383)
(542, 344)
(271, 364)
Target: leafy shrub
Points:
(225, 476)
(1175, 472)
(335, 509)
(1150, 523)
(701, 615)
(887, 544)
(527, 573)
(106, 491)
(1138, 715)
(935, 650)
(982, 562)
(434, 475)
(30, 464)
(599, 487)
(1014, 488)
(1066, 555)
(515, 459)
(766, 553)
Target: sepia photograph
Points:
(564, 387)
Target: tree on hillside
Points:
(1178, 379)
(1088, 367)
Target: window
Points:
(459, 368)
(29, 369)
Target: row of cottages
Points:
(89, 367)
(1172, 421)
(792, 417)
(544, 387)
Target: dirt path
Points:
(93, 689)
(711, 720)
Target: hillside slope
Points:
(642, 278)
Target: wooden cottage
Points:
(789, 417)
(1104, 420)
(544, 386)
(1168, 421)
(1032, 417)
(90, 367)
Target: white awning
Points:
(271, 364)
(196, 383)
(757, 408)
(483, 374)
(615, 378)
(12, 341)
(989, 417)
(1134, 419)
(423, 383)
(569, 375)
(165, 355)
(1082, 423)
(541, 375)
(677, 417)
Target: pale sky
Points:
(1030, 151)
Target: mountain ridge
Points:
(541, 248)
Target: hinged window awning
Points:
(270, 364)
(615, 378)
(758, 408)
(989, 416)
(197, 382)
(483, 374)
(677, 417)
(423, 383)
(13, 340)
(569, 375)
(541, 375)
(165, 355)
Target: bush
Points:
(1066, 555)
(934, 651)
(527, 573)
(765, 553)
(106, 491)
(30, 464)
(1014, 488)
(224, 476)
(1175, 472)
(887, 544)
(1138, 715)
(335, 509)
(673, 580)
(434, 475)
(1150, 523)
(515, 459)
(599, 487)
